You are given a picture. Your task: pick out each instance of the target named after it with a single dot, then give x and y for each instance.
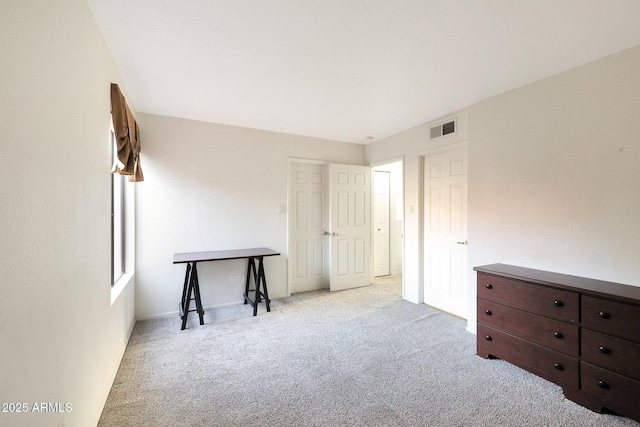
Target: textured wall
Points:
(214, 187)
(61, 340)
(554, 178)
(411, 145)
(554, 181)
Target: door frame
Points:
(463, 145)
(373, 166)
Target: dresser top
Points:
(584, 285)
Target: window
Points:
(118, 242)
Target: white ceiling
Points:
(348, 69)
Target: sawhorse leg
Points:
(264, 293)
(183, 301)
(191, 285)
(251, 271)
(259, 281)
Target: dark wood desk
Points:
(192, 287)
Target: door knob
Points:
(326, 233)
(463, 243)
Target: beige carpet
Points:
(362, 357)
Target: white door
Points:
(381, 208)
(445, 231)
(308, 220)
(350, 220)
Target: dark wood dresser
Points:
(582, 334)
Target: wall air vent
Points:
(443, 129)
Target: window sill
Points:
(120, 285)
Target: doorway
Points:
(388, 220)
(329, 226)
(381, 223)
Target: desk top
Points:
(222, 255)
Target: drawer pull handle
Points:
(604, 350)
(558, 335)
(558, 303)
(488, 312)
(603, 385)
(488, 286)
(558, 366)
(488, 338)
(604, 315)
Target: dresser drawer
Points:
(610, 317)
(546, 301)
(611, 353)
(551, 333)
(551, 365)
(614, 391)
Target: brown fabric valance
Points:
(127, 138)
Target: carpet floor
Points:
(362, 357)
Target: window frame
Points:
(118, 218)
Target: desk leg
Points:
(184, 291)
(191, 285)
(256, 280)
(196, 290)
(259, 281)
(186, 296)
(265, 293)
(248, 281)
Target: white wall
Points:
(214, 187)
(61, 340)
(554, 174)
(411, 145)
